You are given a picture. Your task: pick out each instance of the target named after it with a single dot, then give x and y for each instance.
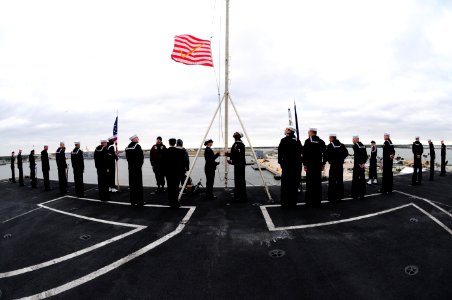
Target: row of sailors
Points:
(314, 154)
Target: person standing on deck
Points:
(156, 157)
(313, 160)
(62, 168)
(443, 159)
(209, 168)
(388, 156)
(112, 159)
(174, 166)
(237, 158)
(20, 167)
(335, 155)
(373, 163)
(180, 145)
(78, 167)
(45, 166)
(13, 167)
(31, 160)
(417, 149)
(135, 159)
(359, 163)
(432, 159)
(101, 163)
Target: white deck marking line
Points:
(72, 284)
(21, 215)
(440, 203)
(92, 219)
(335, 222)
(124, 203)
(434, 219)
(267, 218)
(67, 257)
(324, 201)
(426, 200)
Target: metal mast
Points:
(226, 95)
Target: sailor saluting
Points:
(62, 167)
(135, 158)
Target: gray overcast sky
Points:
(354, 67)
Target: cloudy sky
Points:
(353, 67)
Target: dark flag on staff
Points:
(296, 121)
(115, 134)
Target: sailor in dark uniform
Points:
(78, 166)
(335, 155)
(62, 168)
(101, 163)
(31, 160)
(387, 184)
(432, 159)
(174, 166)
(417, 149)
(359, 163)
(180, 145)
(290, 160)
(209, 168)
(20, 167)
(13, 167)
(156, 157)
(237, 159)
(313, 151)
(135, 157)
(373, 163)
(443, 159)
(112, 159)
(45, 166)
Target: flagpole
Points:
(117, 156)
(226, 96)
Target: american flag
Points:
(190, 50)
(115, 134)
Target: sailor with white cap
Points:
(313, 151)
(432, 159)
(387, 184)
(101, 163)
(112, 158)
(417, 149)
(290, 160)
(237, 159)
(443, 159)
(135, 159)
(78, 167)
(359, 163)
(60, 156)
(45, 165)
(335, 154)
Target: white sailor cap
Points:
(62, 142)
(291, 128)
(356, 136)
(112, 138)
(103, 141)
(416, 137)
(333, 134)
(387, 133)
(76, 143)
(313, 129)
(133, 136)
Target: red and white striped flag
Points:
(190, 50)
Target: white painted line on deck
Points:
(30, 211)
(125, 203)
(270, 223)
(69, 256)
(114, 265)
(434, 219)
(426, 200)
